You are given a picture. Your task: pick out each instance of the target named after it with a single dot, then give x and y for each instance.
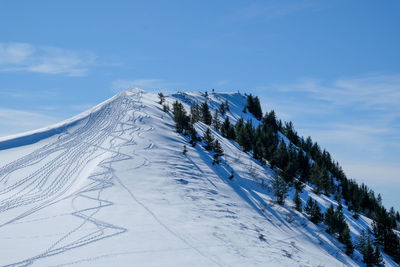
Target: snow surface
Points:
(111, 187)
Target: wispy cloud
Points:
(14, 121)
(375, 91)
(147, 84)
(44, 59)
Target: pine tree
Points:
(258, 151)
(205, 114)
(378, 260)
(345, 238)
(162, 98)
(280, 189)
(218, 152)
(330, 219)
(208, 139)
(340, 222)
(192, 135)
(166, 108)
(309, 205)
(180, 117)
(368, 254)
(297, 201)
(253, 106)
(227, 105)
(316, 215)
(312, 208)
(195, 113)
(215, 121)
(184, 150)
(222, 109)
(244, 134)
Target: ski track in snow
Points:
(41, 188)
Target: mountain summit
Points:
(119, 186)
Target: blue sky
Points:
(331, 67)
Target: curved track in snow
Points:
(58, 166)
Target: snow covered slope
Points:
(112, 187)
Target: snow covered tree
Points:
(208, 139)
(280, 188)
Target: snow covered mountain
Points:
(111, 187)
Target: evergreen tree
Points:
(258, 151)
(316, 215)
(244, 134)
(162, 98)
(297, 201)
(166, 108)
(270, 120)
(184, 150)
(195, 113)
(208, 139)
(227, 105)
(253, 106)
(193, 135)
(218, 152)
(309, 205)
(329, 219)
(225, 126)
(222, 109)
(205, 114)
(345, 238)
(384, 234)
(368, 254)
(215, 121)
(280, 188)
(378, 260)
(313, 209)
(180, 117)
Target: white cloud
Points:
(13, 121)
(381, 92)
(15, 53)
(43, 59)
